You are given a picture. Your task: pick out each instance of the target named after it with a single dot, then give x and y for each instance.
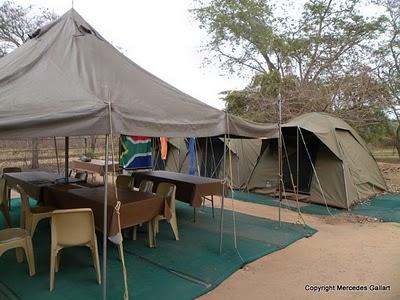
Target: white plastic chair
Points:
(18, 238)
(72, 227)
(4, 201)
(147, 187)
(124, 182)
(31, 216)
(168, 191)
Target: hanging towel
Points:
(164, 147)
(135, 152)
(192, 156)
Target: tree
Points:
(356, 98)
(16, 22)
(318, 61)
(388, 60)
(250, 34)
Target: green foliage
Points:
(251, 34)
(322, 61)
(378, 134)
(91, 154)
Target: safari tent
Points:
(324, 158)
(241, 158)
(177, 160)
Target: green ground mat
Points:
(384, 207)
(309, 208)
(182, 269)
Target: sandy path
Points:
(343, 251)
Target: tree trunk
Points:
(398, 139)
(93, 144)
(35, 154)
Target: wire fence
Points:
(49, 153)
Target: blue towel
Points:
(192, 156)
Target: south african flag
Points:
(135, 152)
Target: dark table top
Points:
(189, 189)
(181, 177)
(124, 196)
(136, 207)
(34, 182)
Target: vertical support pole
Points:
(105, 223)
(222, 202)
(112, 159)
(196, 148)
(206, 159)
(35, 153)
(58, 161)
(280, 155)
(179, 168)
(66, 159)
(298, 160)
(119, 152)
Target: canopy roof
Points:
(68, 80)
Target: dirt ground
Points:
(346, 250)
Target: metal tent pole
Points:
(179, 159)
(66, 161)
(280, 154)
(222, 201)
(57, 157)
(297, 161)
(105, 222)
(206, 159)
(119, 151)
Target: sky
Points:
(160, 36)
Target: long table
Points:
(33, 183)
(94, 166)
(136, 207)
(189, 189)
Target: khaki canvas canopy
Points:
(241, 158)
(326, 159)
(177, 156)
(68, 80)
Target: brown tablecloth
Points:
(136, 207)
(189, 189)
(34, 182)
(94, 166)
